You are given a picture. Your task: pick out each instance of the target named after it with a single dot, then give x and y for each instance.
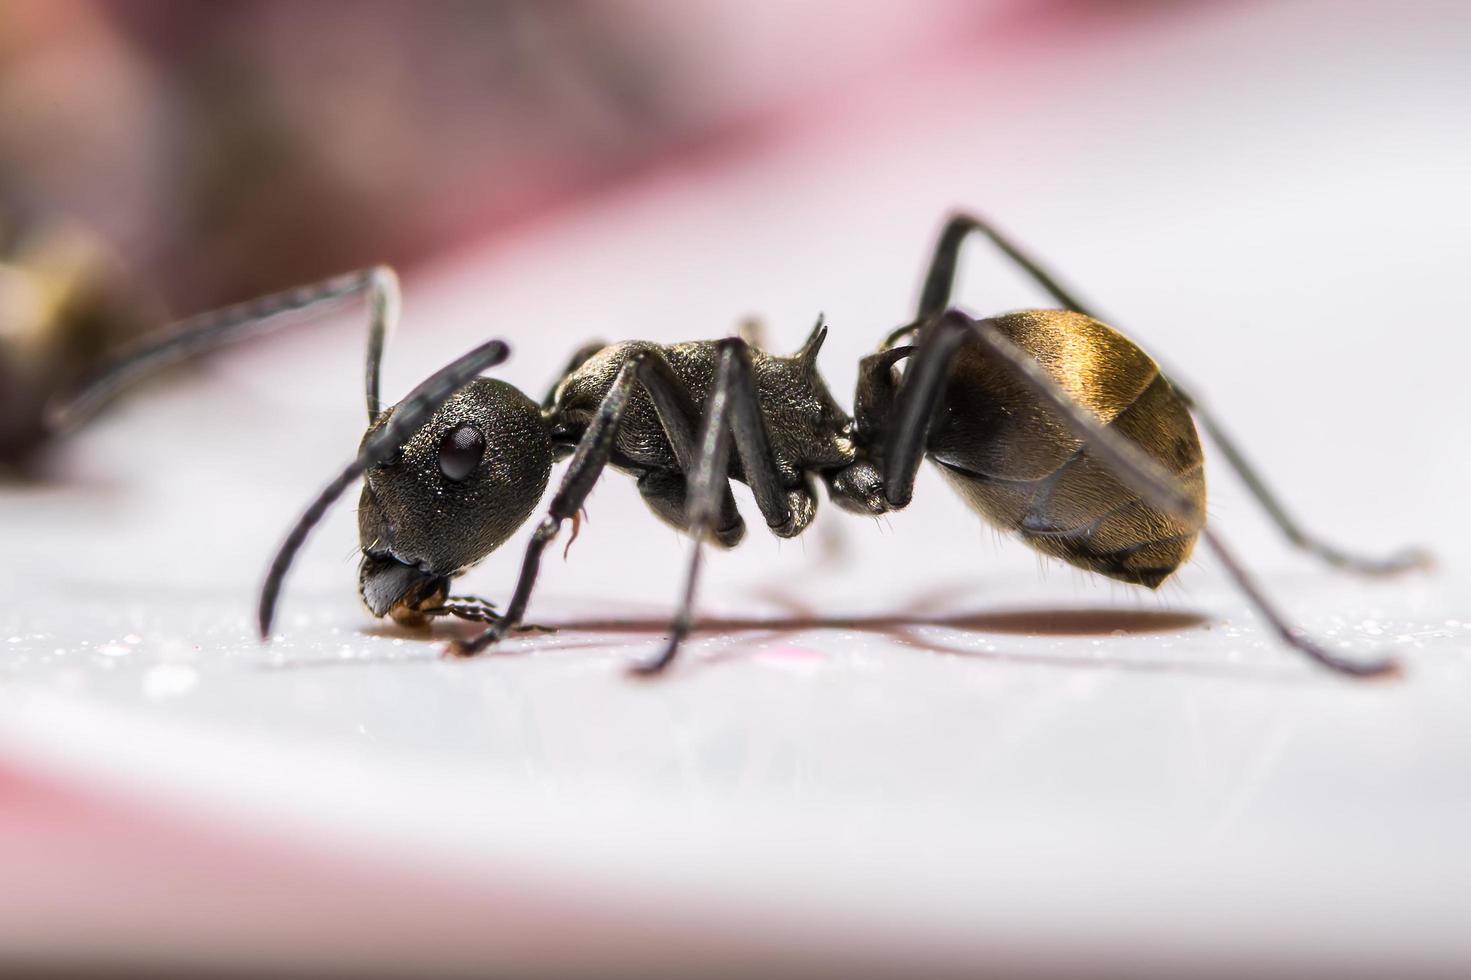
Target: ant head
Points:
(451, 471)
(451, 494)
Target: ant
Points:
(1049, 423)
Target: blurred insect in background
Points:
(1049, 423)
(65, 304)
(139, 175)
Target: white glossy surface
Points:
(901, 734)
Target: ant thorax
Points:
(809, 431)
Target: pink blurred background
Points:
(228, 149)
(198, 154)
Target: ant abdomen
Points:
(1016, 462)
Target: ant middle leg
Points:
(935, 298)
(666, 492)
(732, 415)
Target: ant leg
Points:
(474, 609)
(666, 492)
(732, 414)
(919, 395)
(467, 607)
(207, 331)
(940, 282)
(788, 509)
(594, 449)
(1290, 634)
(706, 481)
(1406, 559)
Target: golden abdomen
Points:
(1017, 464)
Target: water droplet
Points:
(113, 650)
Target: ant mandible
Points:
(1049, 423)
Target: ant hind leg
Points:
(732, 415)
(1290, 634)
(935, 298)
(918, 398)
(1404, 560)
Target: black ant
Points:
(1049, 423)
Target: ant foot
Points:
(475, 645)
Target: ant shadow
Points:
(915, 628)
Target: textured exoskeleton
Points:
(1026, 471)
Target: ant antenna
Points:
(207, 331)
(405, 420)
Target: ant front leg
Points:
(732, 414)
(935, 298)
(594, 449)
(474, 609)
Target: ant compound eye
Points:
(460, 452)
